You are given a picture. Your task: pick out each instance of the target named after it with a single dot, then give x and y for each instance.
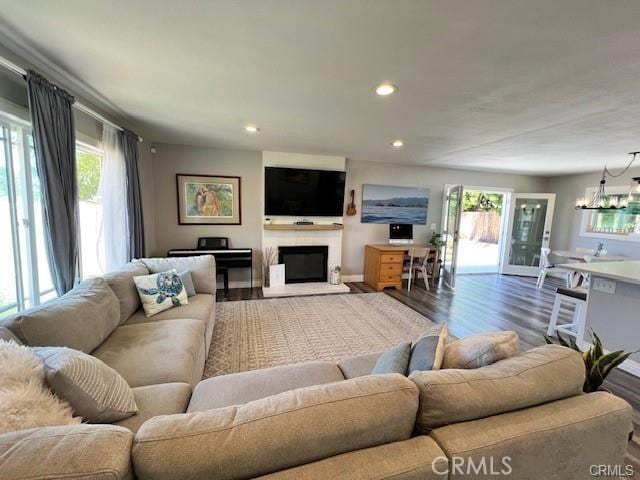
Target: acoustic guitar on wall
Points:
(351, 207)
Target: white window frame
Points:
(9, 121)
(586, 218)
(83, 146)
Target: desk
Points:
(383, 265)
(225, 260)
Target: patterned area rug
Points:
(255, 334)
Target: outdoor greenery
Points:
(482, 202)
(88, 167)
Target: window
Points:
(613, 224)
(88, 169)
(26, 280)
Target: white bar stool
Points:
(576, 297)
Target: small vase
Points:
(334, 278)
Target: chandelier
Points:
(602, 201)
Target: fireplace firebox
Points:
(304, 263)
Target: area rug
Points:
(255, 334)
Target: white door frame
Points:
(449, 279)
(533, 271)
(508, 192)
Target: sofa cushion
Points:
(541, 375)
(96, 391)
(154, 400)
(202, 268)
(358, 366)
(100, 452)
(81, 319)
(200, 307)
(244, 387)
(427, 352)
(560, 440)
(121, 282)
(277, 432)
(418, 458)
(8, 336)
(480, 350)
(158, 352)
(394, 360)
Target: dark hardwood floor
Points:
(482, 303)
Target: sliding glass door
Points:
(25, 280)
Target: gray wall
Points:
(566, 226)
(357, 235)
(172, 159)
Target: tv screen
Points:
(300, 192)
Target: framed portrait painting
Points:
(208, 200)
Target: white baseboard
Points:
(632, 367)
(352, 278)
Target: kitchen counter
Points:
(613, 307)
(628, 271)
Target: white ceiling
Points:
(536, 86)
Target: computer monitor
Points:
(401, 233)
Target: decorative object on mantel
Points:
(598, 363)
(334, 275)
(351, 207)
(269, 257)
(267, 221)
(602, 201)
(208, 200)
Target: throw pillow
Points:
(187, 281)
(394, 360)
(481, 350)
(160, 291)
(428, 351)
(25, 402)
(95, 391)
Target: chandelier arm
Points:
(608, 172)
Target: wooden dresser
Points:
(383, 265)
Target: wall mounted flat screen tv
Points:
(302, 192)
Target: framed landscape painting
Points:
(389, 204)
(208, 200)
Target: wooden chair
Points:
(419, 260)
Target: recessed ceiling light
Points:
(251, 128)
(397, 143)
(386, 89)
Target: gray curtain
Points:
(134, 198)
(54, 142)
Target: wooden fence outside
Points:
(480, 226)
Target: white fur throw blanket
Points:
(25, 400)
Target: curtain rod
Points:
(83, 108)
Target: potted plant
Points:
(598, 363)
(334, 277)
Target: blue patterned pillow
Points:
(160, 291)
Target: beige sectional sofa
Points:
(313, 420)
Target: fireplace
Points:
(304, 264)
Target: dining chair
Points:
(419, 263)
(545, 265)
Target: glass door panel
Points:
(10, 283)
(529, 231)
(453, 202)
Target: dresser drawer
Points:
(389, 278)
(392, 258)
(390, 268)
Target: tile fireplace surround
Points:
(290, 238)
